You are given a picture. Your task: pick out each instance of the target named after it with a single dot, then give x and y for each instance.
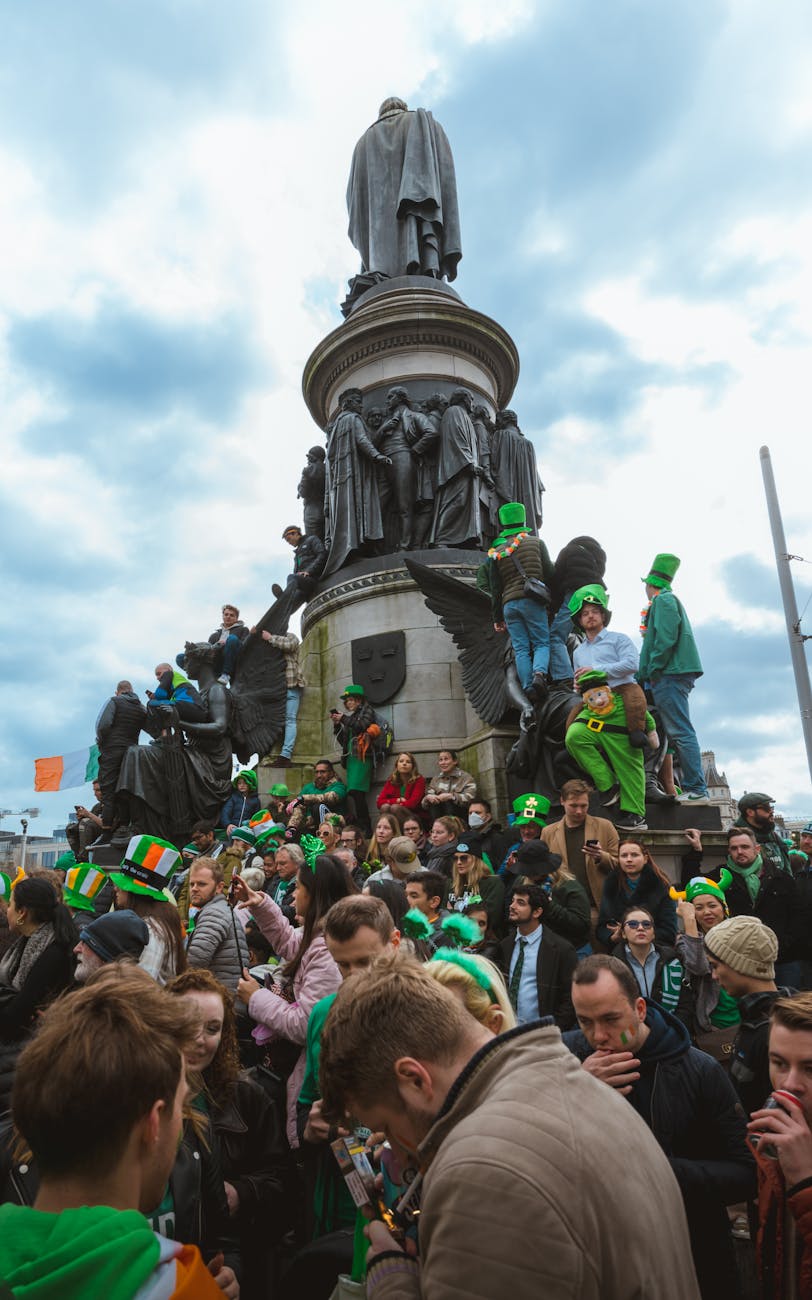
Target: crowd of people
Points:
(483, 1024)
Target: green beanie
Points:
(249, 777)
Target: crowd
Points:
(211, 1057)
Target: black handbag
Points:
(534, 588)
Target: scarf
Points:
(750, 875)
(504, 546)
(16, 965)
(644, 613)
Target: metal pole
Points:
(800, 666)
(25, 842)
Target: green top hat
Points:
(592, 594)
(663, 568)
(279, 791)
(589, 680)
(82, 884)
(513, 517)
(249, 777)
(352, 690)
(149, 865)
(531, 810)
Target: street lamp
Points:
(23, 814)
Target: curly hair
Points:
(219, 1077)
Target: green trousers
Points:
(608, 757)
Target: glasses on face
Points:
(640, 925)
(461, 857)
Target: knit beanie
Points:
(746, 945)
(116, 934)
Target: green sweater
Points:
(668, 645)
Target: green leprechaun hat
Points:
(591, 679)
(698, 885)
(82, 884)
(531, 810)
(663, 568)
(592, 594)
(148, 866)
(249, 777)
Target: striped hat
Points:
(244, 834)
(259, 819)
(82, 884)
(148, 866)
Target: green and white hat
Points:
(82, 884)
(259, 820)
(245, 835)
(5, 887)
(531, 810)
(149, 865)
(663, 568)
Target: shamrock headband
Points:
(463, 960)
(312, 847)
(415, 925)
(461, 929)
(703, 885)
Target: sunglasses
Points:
(640, 925)
(461, 857)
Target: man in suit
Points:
(588, 845)
(538, 965)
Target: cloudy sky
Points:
(635, 201)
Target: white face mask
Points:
(475, 821)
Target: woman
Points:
(309, 972)
(387, 828)
(488, 944)
(405, 788)
(253, 1147)
(636, 879)
(330, 832)
(414, 831)
(356, 731)
(452, 789)
(393, 894)
(164, 956)
(479, 985)
(472, 878)
(656, 967)
(700, 907)
(443, 838)
(37, 967)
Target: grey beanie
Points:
(116, 934)
(746, 945)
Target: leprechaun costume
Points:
(598, 739)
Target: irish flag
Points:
(64, 771)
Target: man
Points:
(84, 1235)
(756, 813)
(309, 559)
(612, 653)
(505, 1198)
(289, 858)
(117, 936)
(581, 563)
(353, 504)
(742, 960)
(516, 559)
(230, 635)
(294, 684)
(669, 666)
(324, 791)
(206, 845)
(538, 964)
(587, 845)
(806, 840)
(87, 827)
(684, 1097)
(456, 507)
(426, 891)
(215, 942)
(414, 831)
(403, 861)
(311, 492)
(784, 1156)
(400, 433)
(117, 727)
(480, 820)
(352, 838)
(177, 690)
(530, 818)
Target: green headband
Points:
(415, 925)
(463, 960)
(312, 847)
(461, 929)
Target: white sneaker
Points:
(224, 679)
(695, 800)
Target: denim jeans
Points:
(560, 628)
(529, 630)
(232, 647)
(293, 699)
(671, 693)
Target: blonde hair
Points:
(477, 1000)
(472, 879)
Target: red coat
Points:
(411, 798)
(773, 1208)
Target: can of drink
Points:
(778, 1100)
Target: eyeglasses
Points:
(461, 857)
(640, 925)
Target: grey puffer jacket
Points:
(691, 952)
(212, 944)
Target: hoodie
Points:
(96, 1251)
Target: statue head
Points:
(315, 454)
(350, 399)
(391, 106)
(436, 402)
(506, 417)
(201, 657)
(374, 416)
(462, 397)
(396, 397)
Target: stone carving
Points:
(351, 490)
(311, 492)
(379, 665)
(402, 196)
(514, 470)
(456, 509)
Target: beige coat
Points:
(542, 1182)
(595, 828)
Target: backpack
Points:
(382, 746)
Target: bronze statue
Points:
(425, 450)
(488, 503)
(311, 492)
(514, 470)
(353, 503)
(456, 509)
(402, 196)
(400, 432)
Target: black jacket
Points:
(581, 562)
(120, 721)
(555, 963)
(749, 1068)
(254, 1152)
(201, 1208)
(781, 903)
(690, 1106)
(310, 556)
(650, 893)
(49, 976)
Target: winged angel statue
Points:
(184, 775)
(492, 684)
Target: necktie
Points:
(515, 979)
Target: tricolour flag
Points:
(64, 771)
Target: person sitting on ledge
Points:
(309, 559)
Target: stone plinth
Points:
(416, 332)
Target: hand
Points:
(500, 627)
(593, 851)
(244, 896)
(694, 838)
(381, 1240)
(233, 1198)
(619, 1069)
(790, 1135)
(149, 694)
(318, 1130)
(616, 931)
(230, 829)
(224, 1277)
(247, 987)
(82, 812)
(384, 460)
(687, 914)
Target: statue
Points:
(351, 490)
(456, 509)
(425, 450)
(488, 503)
(311, 491)
(402, 197)
(514, 470)
(399, 435)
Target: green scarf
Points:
(750, 875)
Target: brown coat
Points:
(595, 828)
(520, 1193)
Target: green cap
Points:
(530, 810)
(588, 681)
(663, 568)
(352, 690)
(513, 516)
(592, 594)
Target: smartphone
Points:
(592, 844)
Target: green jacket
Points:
(668, 645)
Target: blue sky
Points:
(635, 210)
